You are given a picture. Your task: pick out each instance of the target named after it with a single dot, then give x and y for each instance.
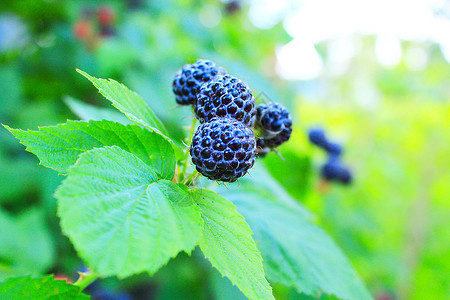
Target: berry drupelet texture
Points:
(275, 123)
(333, 170)
(272, 119)
(223, 149)
(188, 80)
(225, 96)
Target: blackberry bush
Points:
(225, 96)
(187, 80)
(129, 188)
(223, 149)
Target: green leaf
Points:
(121, 217)
(58, 147)
(88, 112)
(132, 105)
(26, 247)
(228, 245)
(296, 252)
(128, 102)
(39, 288)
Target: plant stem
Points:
(191, 177)
(85, 279)
(186, 156)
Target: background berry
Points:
(223, 149)
(187, 80)
(225, 96)
(333, 148)
(317, 137)
(333, 170)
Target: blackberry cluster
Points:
(223, 149)
(332, 170)
(225, 96)
(275, 124)
(224, 146)
(188, 80)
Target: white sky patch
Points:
(388, 50)
(340, 53)
(298, 60)
(314, 21)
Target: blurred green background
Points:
(384, 94)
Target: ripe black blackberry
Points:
(275, 124)
(272, 119)
(223, 149)
(333, 170)
(188, 80)
(225, 96)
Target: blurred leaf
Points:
(293, 170)
(113, 55)
(223, 289)
(89, 112)
(228, 245)
(296, 252)
(26, 244)
(121, 217)
(10, 85)
(39, 288)
(58, 147)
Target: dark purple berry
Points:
(225, 96)
(223, 149)
(188, 80)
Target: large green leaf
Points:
(121, 217)
(127, 101)
(26, 247)
(88, 112)
(296, 252)
(132, 105)
(228, 245)
(58, 147)
(39, 288)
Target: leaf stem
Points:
(186, 156)
(85, 279)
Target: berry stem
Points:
(186, 156)
(191, 178)
(85, 279)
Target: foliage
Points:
(392, 223)
(124, 215)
